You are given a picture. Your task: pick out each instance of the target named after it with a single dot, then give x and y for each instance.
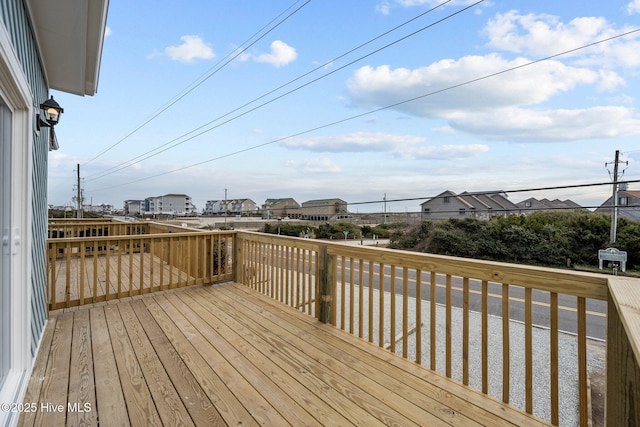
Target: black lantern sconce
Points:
(49, 115)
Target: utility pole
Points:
(79, 196)
(385, 207)
(614, 201)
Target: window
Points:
(527, 204)
(461, 211)
(446, 199)
(623, 200)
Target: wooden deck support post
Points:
(325, 285)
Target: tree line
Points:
(333, 231)
(554, 238)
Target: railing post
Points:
(325, 285)
(623, 367)
(235, 260)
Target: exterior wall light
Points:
(49, 115)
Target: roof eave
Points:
(70, 36)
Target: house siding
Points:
(629, 210)
(481, 205)
(324, 209)
(16, 20)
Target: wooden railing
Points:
(385, 297)
(471, 333)
(64, 228)
(283, 268)
(60, 228)
(93, 269)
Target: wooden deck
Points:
(227, 355)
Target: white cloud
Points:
(444, 152)
(526, 125)
(609, 81)
(281, 54)
(314, 165)
(544, 35)
(107, 31)
(507, 107)
(384, 7)
(354, 142)
(59, 159)
(381, 86)
(241, 56)
(192, 48)
(633, 7)
(409, 147)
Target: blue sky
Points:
(346, 129)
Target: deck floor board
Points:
(227, 355)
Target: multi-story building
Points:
(323, 209)
(169, 204)
(281, 208)
(133, 207)
(241, 206)
(244, 207)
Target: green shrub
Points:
(542, 238)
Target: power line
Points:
(200, 80)
(177, 140)
(350, 118)
(525, 190)
(518, 210)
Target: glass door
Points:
(5, 227)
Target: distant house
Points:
(481, 205)
(241, 206)
(43, 45)
(213, 207)
(244, 207)
(281, 208)
(532, 205)
(323, 209)
(102, 208)
(628, 205)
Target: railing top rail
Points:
(137, 236)
(105, 221)
(90, 222)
